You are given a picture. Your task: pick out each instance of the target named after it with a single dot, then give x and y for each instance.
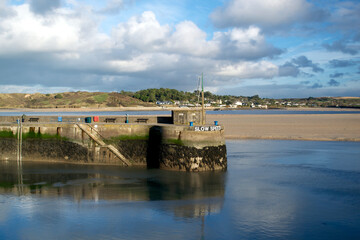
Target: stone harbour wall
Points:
(165, 146)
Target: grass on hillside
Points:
(69, 100)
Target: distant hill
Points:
(149, 97)
(69, 100)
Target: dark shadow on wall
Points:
(167, 120)
(153, 156)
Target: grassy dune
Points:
(68, 100)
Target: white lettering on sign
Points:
(207, 128)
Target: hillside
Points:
(69, 100)
(162, 96)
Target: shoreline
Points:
(139, 108)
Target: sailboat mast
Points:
(202, 99)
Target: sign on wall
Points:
(207, 128)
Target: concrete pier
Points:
(146, 141)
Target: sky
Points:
(270, 48)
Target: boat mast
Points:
(202, 99)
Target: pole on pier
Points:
(202, 99)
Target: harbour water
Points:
(272, 190)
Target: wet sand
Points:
(321, 127)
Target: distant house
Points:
(262, 106)
(238, 103)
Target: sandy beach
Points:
(321, 127)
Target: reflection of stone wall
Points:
(203, 192)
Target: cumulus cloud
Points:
(333, 83)
(261, 69)
(141, 32)
(304, 62)
(264, 13)
(342, 46)
(145, 33)
(336, 63)
(189, 39)
(43, 6)
(293, 68)
(64, 47)
(336, 75)
(288, 69)
(4, 10)
(316, 85)
(63, 32)
(345, 19)
(346, 16)
(244, 44)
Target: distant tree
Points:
(58, 96)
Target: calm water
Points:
(272, 190)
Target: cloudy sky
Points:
(273, 48)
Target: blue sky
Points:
(273, 48)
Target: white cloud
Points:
(64, 48)
(145, 33)
(264, 13)
(61, 31)
(244, 70)
(136, 64)
(142, 32)
(189, 39)
(244, 44)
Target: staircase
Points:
(93, 134)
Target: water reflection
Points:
(200, 193)
(272, 190)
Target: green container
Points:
(88, 119)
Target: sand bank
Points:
(321, 127)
